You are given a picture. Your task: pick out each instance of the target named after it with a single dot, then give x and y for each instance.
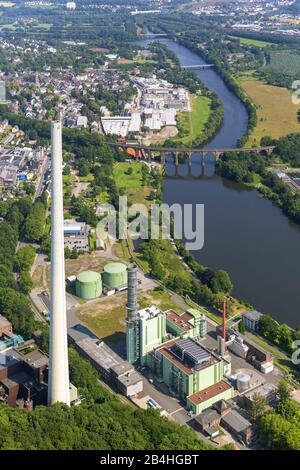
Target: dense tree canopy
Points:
(102, 422)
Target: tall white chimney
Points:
(58, 383)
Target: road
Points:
(41, 177)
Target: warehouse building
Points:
(110, 365)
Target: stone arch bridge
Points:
(148, 153)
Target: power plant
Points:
(59, 385)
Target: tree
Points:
(24, 258)
(221, 282)
(241, 327)
(283, 391)
(25, 282)
(34, 224)
(258, 406)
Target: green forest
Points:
(101, 422)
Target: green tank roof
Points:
(113, 268)
(88, 276)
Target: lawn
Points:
(277, 115)
(193, 122)
(106, 317)
(252, 42)
(131, 183)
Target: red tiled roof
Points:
(209, 392)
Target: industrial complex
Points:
(155, 107)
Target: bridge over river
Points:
(149, 153)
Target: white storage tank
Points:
(243, 382)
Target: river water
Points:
(247, 236)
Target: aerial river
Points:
(247, 236)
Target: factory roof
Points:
(177, 353)
(263, 390)
(130, 378)
(88, 276)
(236, 421)
(99, 352)
(74, 227)
(207, 417)
(122, 368)
(178, 320)
(254, 315)
(149, 312)
(209, 392)
(9, 358)
(36, 359)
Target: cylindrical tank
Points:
(243, 382)
(88, 285)
(114, 275)
(202, 326)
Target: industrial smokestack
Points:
(132, 305)
(132, 333)
(224, 323)
(58, 386)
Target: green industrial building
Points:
(114, 275)
(88, 285)
(187, 368)
(190, 324)
(152, 330)
(191, 372)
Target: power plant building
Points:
(88, 285)
(152, 330)
(188, 325)
(191, 373)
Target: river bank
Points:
(247, 236)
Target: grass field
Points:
(106, 317)
(277, 115)
(131, 183)
(193, 123)
(252, 42)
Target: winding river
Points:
(247, 236)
